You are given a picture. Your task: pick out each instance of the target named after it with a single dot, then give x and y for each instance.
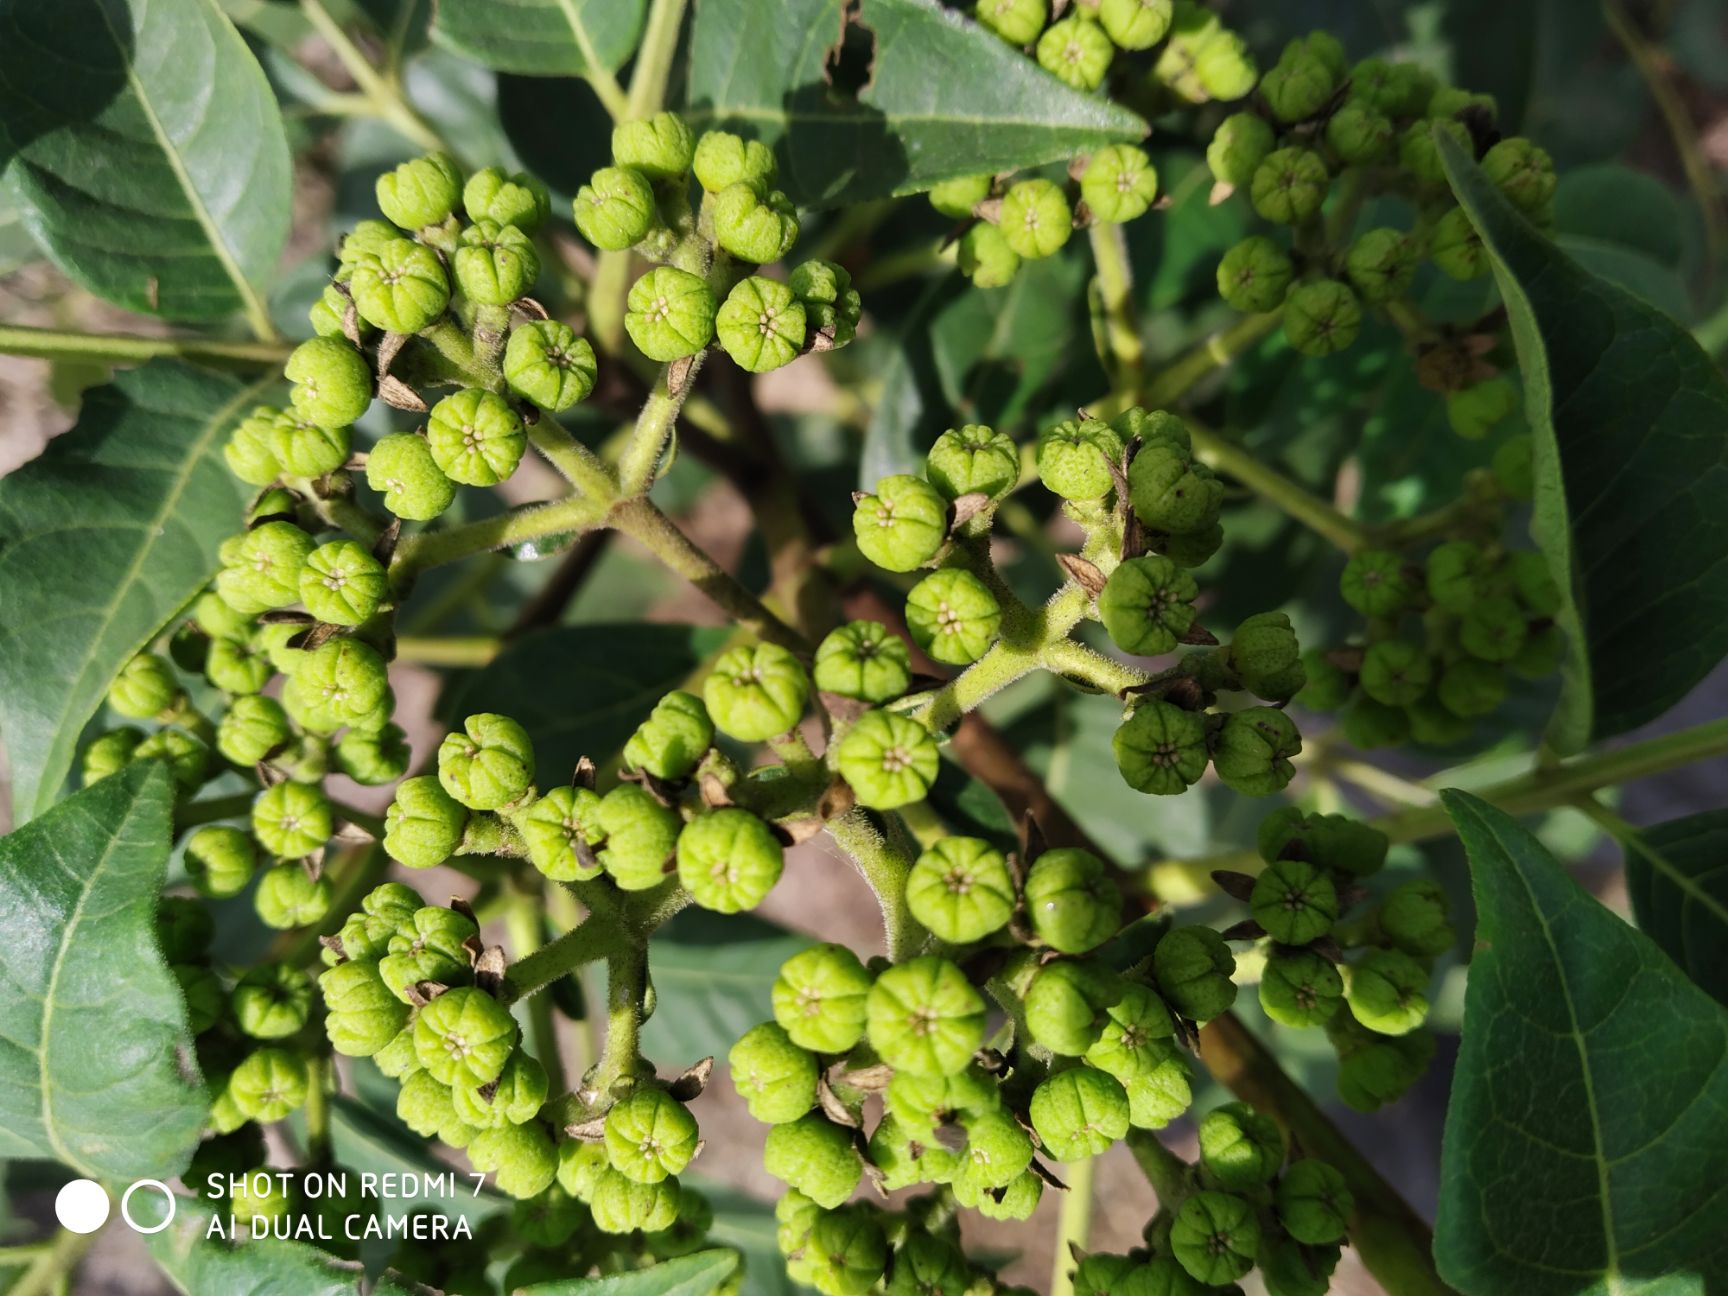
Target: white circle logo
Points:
(126, 1205)
(82, 1206)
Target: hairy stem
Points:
(448, 650)
(884, 867)
(317, 1110)
(1164, 1170)
(1179, 377)
(1233, 460)
(595, 937)
(531, 522)
(526, 938)
(654, 58)
(578, 464)
(385, 96)
(1125, 354)
(1074, 1224)
(124, 348)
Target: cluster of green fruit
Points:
(1373, 127)
(675, 310)
(1442, 641)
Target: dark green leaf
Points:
(1589, 1116)
(1677, 874)
(712, 975)
(96, 1066)
(102, 540)
(582, 690)
(541, 37)
(147, 152)
(1631, 425)
(691, 1275)
(942, 97)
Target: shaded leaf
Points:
(96, 1066)
(541, 37)
(1677, 874)
(747, 1224)
(941, 97)
(102, 540)
(1589, 1115)
(1631, 424)
(691, 1275)
(147, 152)
(712, 975)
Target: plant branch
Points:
(1125, 355)
(884, 868)
(578, 464)
(448, 650)
(1179, 377)
(527, 935)
(517, 526)
(1075, 1223)
(654, 58)
(123, 348)
(386, 97)
(53, 1267)
(596, 937)
(1234, 460)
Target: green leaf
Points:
(691, 1275)
(1677, 874)
(747, 1224)
(1631, 424)
(102, 540)
(147, 152)
(712, 976)
(1588, 1123)
(541, 37)
(942, 97)
(96, 1065)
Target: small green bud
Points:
(144, 688)
(248, 451)
(890, 760)
(957, 197)
(650, 1135)
(1066, 1005)
(997, 1152)
(1137, 1046)
(1299, 86)
(1328, 686)
(1192, 966)
(756, 692)
(641, 837)
(901, 526)
(1514, 467)
(723, 160)
(342, 682)
(1075, 455)
(1541, 654)
(961, 889)
(1238, 147)
(363, 1015)
(1381, 265)
(1396, 89)
(364, 240)
(421, 191)
(863, 660)
(671, 742)
(220, 861)
(489, 764)
(1290, 185)
(1215, 1237)
(615, 209)
(187, 757)
(111, 752)
(464, 1036)
(1432, 725)
(515, 1098)
(1135, 24)
(1263, 646)
(1385, 989)
(1294, 901)
(1493, 629)
(268, 1084)
(752, 225)
(291, 819)
(986, 258)
(402, 469)
(252, 728)
(973, 459)
(475, 437)
(1450, 101)
(373, 758)
(831, 304)
(1079, 1113)
(1413, 918)
(1369, 724)
(306, 450)
(216, 619)
(1255, 275)
(1035, 218)
(330, 310)
(776, 1078)
(669, 314)
(1396, 672)
(202, 990)
(265, 572)
(518, 200)
(552, 827)
(401, 288)
(1300, 988)
(1253, 750)
(1478, 409)
(1456, 248)
(1071, 900)
(819, 998)
(1172, 492)
(661, 147)
(1321, 317)
(847, 1252)
(1204, 60)
(729, 860)
(1376, 1069)
(924, 1016)
(1523, 172)
(1378, 583)
(1420, 156)
(342, 583)
(1239, 1147)
(1360, 134)
(423, 824)
(1314, 1203)
(953, 616)
(1076, 51)
(1016, 21)
(1455, 573)
(431, 946)
(761, 325)
(520, 1159)
(332, 383)
(288, 897)
(545, 362)
(621, 1205)
(814, 1156)
(495, 264)
(921, 1103)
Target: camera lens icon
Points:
(83, 1206)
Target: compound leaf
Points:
(942, 96)
(1677, 874)
(96, 1064)
(1589, 1116)
(691, 1275)
(1631, 424)
(102, 539)
(541, 37)
(147, 152)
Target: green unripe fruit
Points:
(820, 998)
(1173, 493)
(890, 760)
(424, 1105)
(1523, 172)
(363, 241)
(291, 819)
(475, 437)
(1294, 901)
(997, 1152)
(249, 451)
(553, 825)
(1377, 1069)
(545, 362)
(1289, 186)
(1314, 1203)
(1360, 134)
(1386, 991)
(1016, 21)
(396, 1059)
(1035, 218)
(144, 688)
(814, 1156)
(1300, 988)
(109, 753)
(332, 383)
(1299, 86)
(251, 729)
(847, 1252)
(401, 469)
(421, 191)
(342, 583)
(1413, 918)
(1420, 156)
(761, 325)
(1076, 51)
(1534, 583)
(925, 1265)
(1381, 265)
(1454, 575)
(1328, 686)
(953, 616)
(723, 160)
(220, 861)
(650, 1135)
(431, 946)
(288, 897)
(1192, 966)
(268, 1084)
(776, 1078)
(1396, 89)
(1432, 725)
(401, 289)
(1135, 24)
(921, 1103)
(1017, 1203)
(518, 200)
(265, 572)
(489, 764)
(1071, 900)
(1493, 630)
(1321, 317)
(621, 1205)
(514, 1099)
(184, 929)
(307, 450)
(187, 758)
(495, 264)
(1456, 248)
(464, 1037)
(1138, 1048)
(1378, 583)
(1396, 672)
(752, 225)
(961, 889)
(1253, 750)
(364, 1016)
(831, 304)
(756, 692)
(925, 1017)
(1203, 60)
(202, 990)
(863, 660)
(424, 824)
(373, 758)
(1238, 147)
(660, 147)
(1477, 410)
(973, 459)
(520, 1159)
(1066, 1005)
(1079, 1113)
(669, 314)
(1215, 1237)
(986, 258)
(1451, 101)
(580, 1167)
(903, 525)
(671, 742)
(1255, 275)
(615, 209)
(1263, 646)
(219, 621)
(1369, 724)
(1074, 458)
(1239, 1147)
(729, 860)
(957, 197)
(342, 682)
(641, 836)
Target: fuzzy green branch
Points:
(596, 937)
(385, 96)
(1124, 353)
(123, 348)
(518, 526)
(1233, 460)
(654, 56)
(885, 868)
(1008, 659)
(579, 465)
